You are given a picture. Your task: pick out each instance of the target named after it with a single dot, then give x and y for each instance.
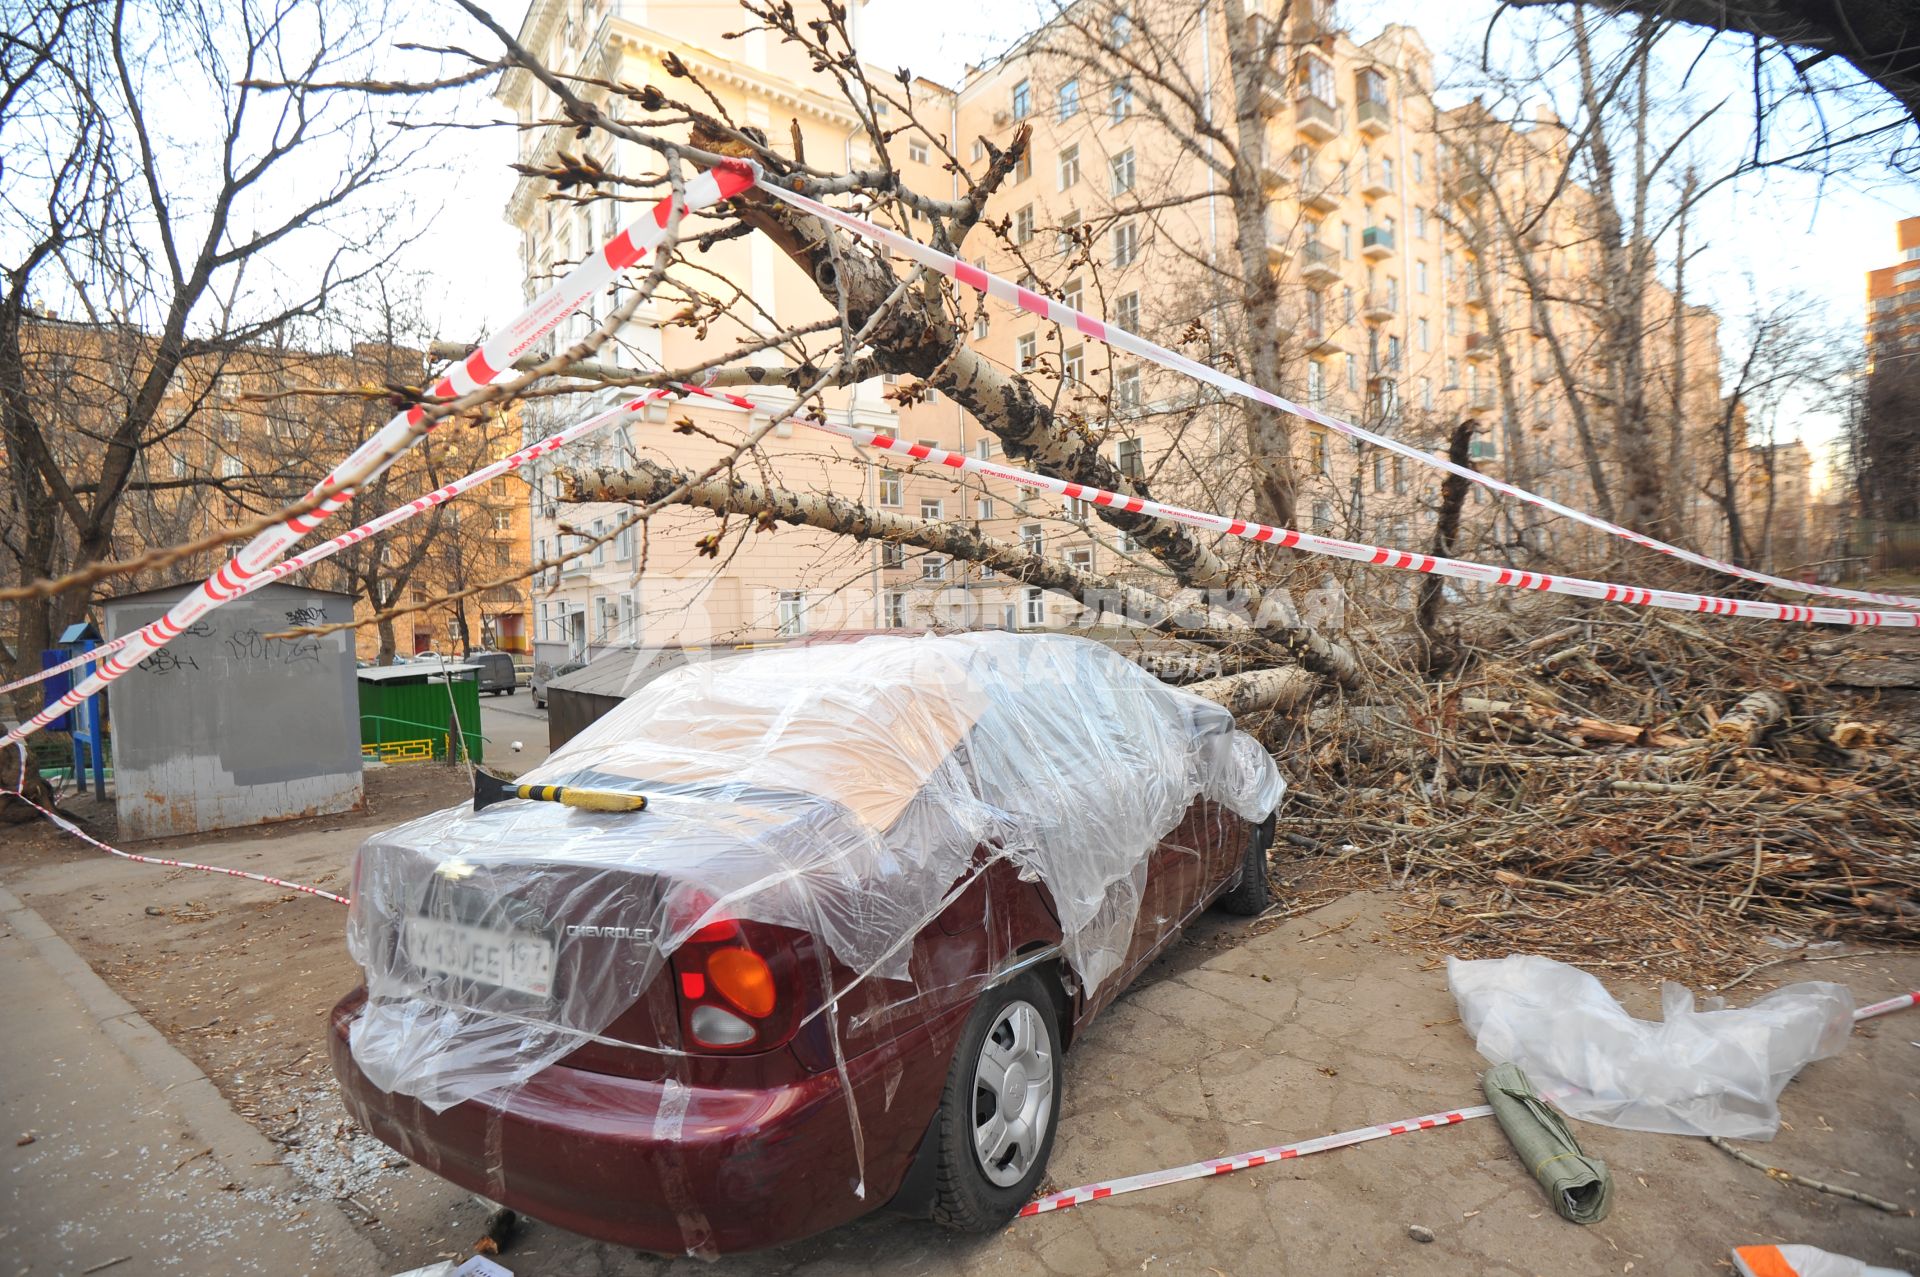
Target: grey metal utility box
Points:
(225, 727)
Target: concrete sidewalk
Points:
(135, 1157)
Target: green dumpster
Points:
(420, 713)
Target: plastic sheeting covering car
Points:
(840, 790)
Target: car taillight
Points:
(738, 986)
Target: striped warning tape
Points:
(1058, 312)
(1354, 551)
(63, 823)
(478, 369)
(155, 634)
(1326, 1143)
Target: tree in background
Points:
(168, 228)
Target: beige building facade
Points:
(1398, 312)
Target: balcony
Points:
(1318, 339)
(1376, 242)
(1475, 292)
(1319, 187)
(1373, 118)
(1374, 182)
(1279, 252)
(1273, 92)
(1319, 264)
(1378, 307)
(1481, 399)
(1479, 346)
(1316, 119)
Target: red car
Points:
(874, 893)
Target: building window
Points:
(1078, 509)
(1033, 539)
(889, 487)
(1316, 79)
(1119, 29)
(1346, 241)
(1066, 238)
(1022, 100)
(503, 520)
(1425, 331)
(983, 507)
(917, 152)
(933, 567)
(1400, 476)
(1316, 381)
(1419, 168)
(1379, 473)
(623, 543)
(1126, 312)
(1033, 607)
(1069, 100)
(1419, 223)
(230, 467)
(1122, 166)
(1420, 277)
(1069, 166)
(1023, 165)
(896, 610)
(1023, 225)
(980, 326)
(1126, 244)
(1317, 450)
(932, 509)
(598, 556)
(792, 612)
(1026, 347)
(1353, 372)
(1129, 458)
(1393, 353)
(1323, 517)
(892, 554)
(1073, 368)
(1426, 393)
(1126, 388)
(1081, 559)
(1120, 100)
(1070, 296)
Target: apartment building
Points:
(1398, 313)
(1893, 295)
(245, 432)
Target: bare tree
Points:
(152, 186)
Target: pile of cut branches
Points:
(1630, 790)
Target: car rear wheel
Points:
(1001, 1104)
(1249, 897)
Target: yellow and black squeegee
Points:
(488, 790)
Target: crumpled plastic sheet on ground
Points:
(1717, 1071)
(838, 789)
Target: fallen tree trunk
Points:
(647, 481)
(1757, 714)
(1273, 691)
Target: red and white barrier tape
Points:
(1326, 1143)
(1241, 1161)
(400, 514)
(1899, 1002)
(1059, 313)
(478, 369)
(1354, 551)
(63, 823)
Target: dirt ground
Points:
(1239, 1038)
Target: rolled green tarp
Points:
(1580, 1187)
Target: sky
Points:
(1789, 233)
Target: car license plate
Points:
(515, 960)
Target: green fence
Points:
(414, 722)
